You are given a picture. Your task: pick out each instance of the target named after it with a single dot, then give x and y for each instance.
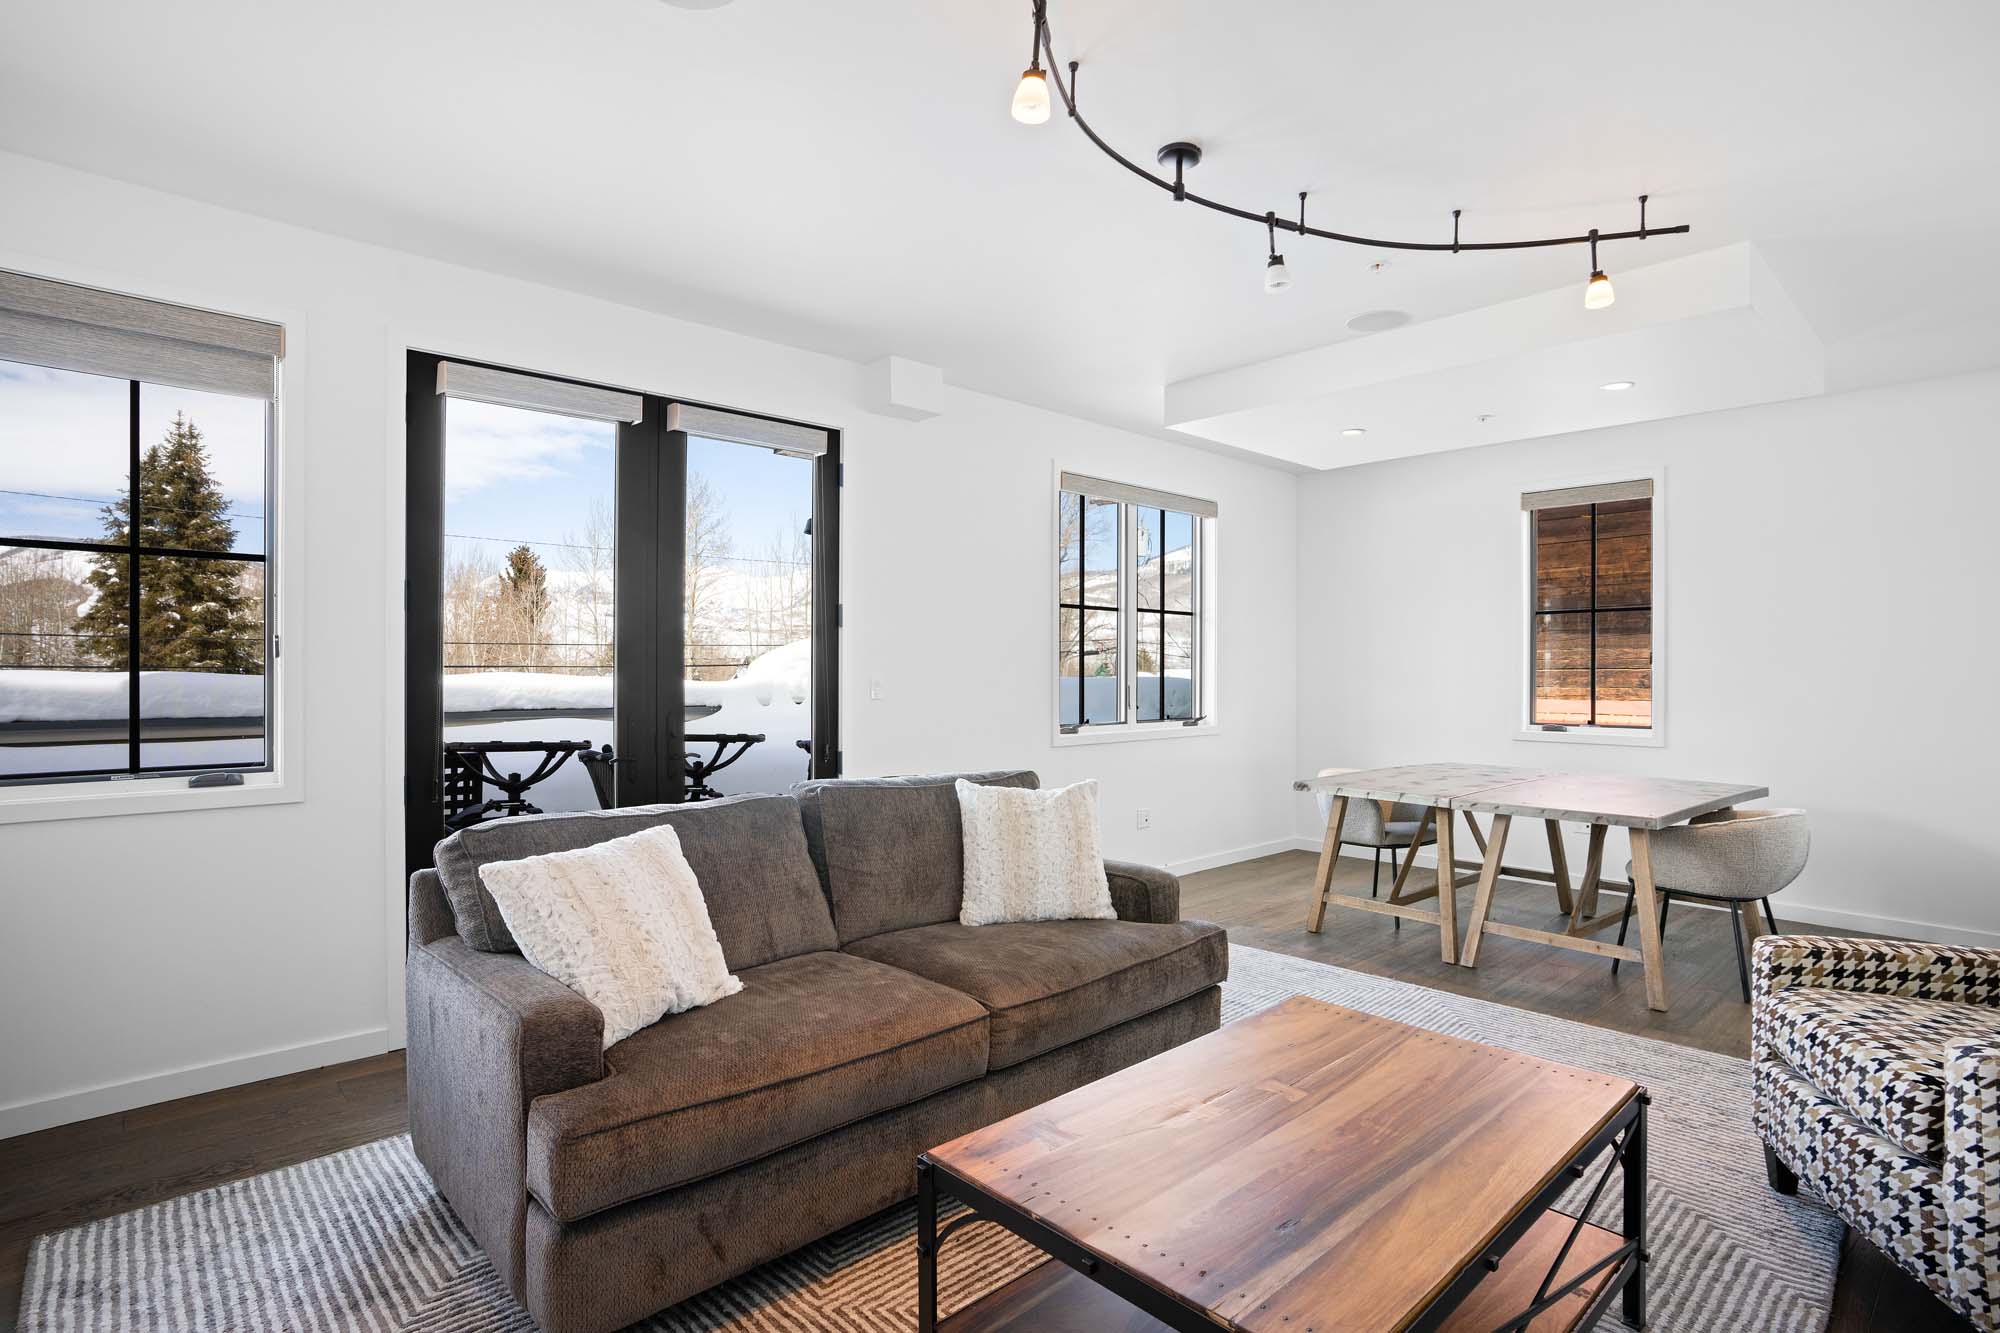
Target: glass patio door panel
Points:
(747, 616)
(528, 598)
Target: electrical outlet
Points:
(1145, 820)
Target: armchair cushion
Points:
(1880, 1056)
(1891, 1196)
(1049, 983)
(810, 1044)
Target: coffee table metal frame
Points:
(1623, 1137)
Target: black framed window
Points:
(638, 578)
(1591, 608)
(1090, 675)
(135, 590)
(1129, 613)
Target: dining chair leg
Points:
(1375, 884)
(1742, 964)
(1769, 919)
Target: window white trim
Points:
(1206, 623)
(1654, 736)
(284, 781)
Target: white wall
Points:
(155, 955)
(1830, 591)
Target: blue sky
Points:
(64, 448)
(515, 476)
(511, 475)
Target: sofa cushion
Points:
(1880, 1056)
(810, 1044)
(748, 854)
(1049, 983)
(891, 851)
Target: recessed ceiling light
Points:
(1378, 321)
(1355, 432)
(1616, 386)
(1484, 416)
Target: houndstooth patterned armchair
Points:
(1876, 1068)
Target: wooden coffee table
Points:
(1310, 1169)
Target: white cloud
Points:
(486, 445)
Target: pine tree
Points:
(193, 614)
(524, 592)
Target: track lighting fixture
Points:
(1276, 276)
(1031, 95)
(1597, 293)
(1032, 107)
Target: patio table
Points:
(1600, 800)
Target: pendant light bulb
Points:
(1597, 294)
(1031, 97)
(1276, 276)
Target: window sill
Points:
(139, 796)
(1124, 732)
(1651, 737)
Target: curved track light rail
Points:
(1184, 155)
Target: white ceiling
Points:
(846, 177)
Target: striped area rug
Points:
(360, 1240)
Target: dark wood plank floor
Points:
(97, 1168)
(78, 1173)
(1264, 902)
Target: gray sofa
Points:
(608, 1184)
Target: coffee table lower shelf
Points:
(1054, 1298)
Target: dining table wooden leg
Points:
(1559, 865)
(1329, 854)
(1645, 906)
(1410, 854)
(1593, 874)
(1478, 838)
(1447, 870)
(1489, 875)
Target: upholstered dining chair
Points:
(1737, 857)
(1381, 825)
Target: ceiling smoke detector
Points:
(1378, 321)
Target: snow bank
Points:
(35, 694)
(524, 691)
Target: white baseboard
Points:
(111, 1098)
(1791, 909)
(1216, 860)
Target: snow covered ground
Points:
(35, 694)
(772, 696)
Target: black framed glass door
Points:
(612, 599)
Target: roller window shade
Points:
(66, 327)
(1588, 495)
(1144, 496)
(785, 437)
(483, 384)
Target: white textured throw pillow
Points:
(621, 923)
(1032, 855)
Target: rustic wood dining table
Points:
(1449, 791)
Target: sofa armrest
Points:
(1144, 893)
(487, 1035)
(1971, 1193)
